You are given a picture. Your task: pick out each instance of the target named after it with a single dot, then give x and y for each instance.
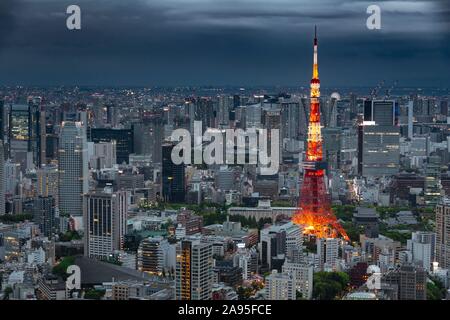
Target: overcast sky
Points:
(219, 42)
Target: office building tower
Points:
(2, 176)
(353, 105)
(47, 182)
(37, 142)
(379, 138)
(225, 179)
(272, 121)
(433, 187)
(253, 116)
(422, 245)
(410, 281)
(332, 147)
(443, 233)
(192, 223)
(382, 112)
(105, 222)
(148, 138)
(173, 177)
(2, 120)
(19, 135)
(11, 176)
(410, 120)
(247, 260)
(272, 248)
(302, 274)
(328, 253)
(223, 112)
(102, 155)
(152, 255)
(280, 286)
(44, 215)
(290, 119)
(73, 169)
(123, 138)
(329, 111)
(380, 150)
(193, 274)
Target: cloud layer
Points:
(248, 42)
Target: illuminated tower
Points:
(315, 212)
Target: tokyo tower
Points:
(314, 212)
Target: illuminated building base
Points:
(315, 213)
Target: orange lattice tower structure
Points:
(314, 213)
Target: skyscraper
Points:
(105, 222)
(193, 274)
(302, 275)
(443, 233)
(410, 280)
(422, 246)
(123, 138)
(280, 286)
(44, 215)
(328, 253)
(73, 168)
(2, 185)
(379, 139)
(315, 212)
(47, 182)
(152, 254)
(173, 179)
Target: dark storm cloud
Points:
(149, 42)
(6, 19)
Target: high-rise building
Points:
(123, 138)
(192, 223)
(2, 184)
(280, 286)
(37, 143)
(105, 222)
(410, 281)
(379, 139)
(433, 187)
(410, 120)
(422, 245)
(44, 215)
(73, 168)
(152, 255)
(11, 178)
(223, 111)
(148, 138)
(47, 182)
(193, 274)
(443, 233)
(2, 119)
(26, 133)
(173, 177)
(328, 253)
(102, 155)
(302, 275)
